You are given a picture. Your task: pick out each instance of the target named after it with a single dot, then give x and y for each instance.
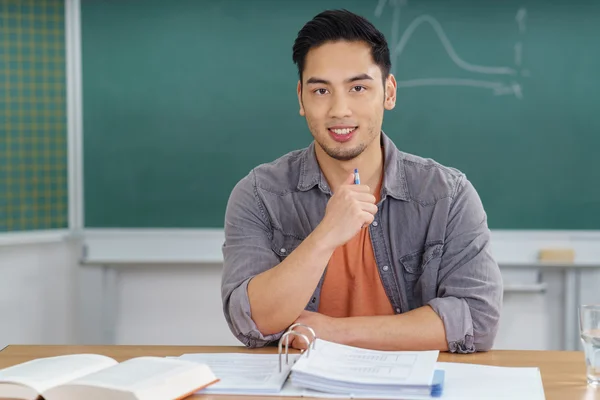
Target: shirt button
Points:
(283, 250)
(385, 267)
(375, 223)
(398, 310)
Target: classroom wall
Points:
(184, 301)
(152, 304)
(37, 292)
(188, 310)
(161, 304)
(46, 297)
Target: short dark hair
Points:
(336, 25)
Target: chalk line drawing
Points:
(398, 45)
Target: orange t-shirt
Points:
(352, 285)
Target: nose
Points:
(340, 107)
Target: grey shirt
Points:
(430, 238)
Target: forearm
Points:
(278, 295)
(419, 329)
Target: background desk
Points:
(563, 372)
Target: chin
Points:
(341, 153)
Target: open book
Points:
(93, 376)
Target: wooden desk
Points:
(563, 373)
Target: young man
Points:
(399, 261)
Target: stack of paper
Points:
(335, 372)
(336, 368)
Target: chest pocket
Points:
(284, 244)
(414, 266)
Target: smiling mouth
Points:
(342, 134)
(342, 131)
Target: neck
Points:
(369, 164)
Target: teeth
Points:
(344, 131)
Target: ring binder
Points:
(286, 335)
(311, 330)
(291, 331)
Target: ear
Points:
(299, 90)
(390, 92)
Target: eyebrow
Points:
(360, 77)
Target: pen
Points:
(356, 177)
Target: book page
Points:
(139, 373)
(245, 373)
(356, 365)
(47, 372)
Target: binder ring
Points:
(311, 330)
(287, 340)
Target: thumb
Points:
(350, 179)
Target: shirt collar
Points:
(394, 178)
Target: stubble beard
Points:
(342, 154)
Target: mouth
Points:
(342, 134)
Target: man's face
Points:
(343, 98)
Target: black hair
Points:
(336, 25)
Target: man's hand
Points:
(324, 327)
(350, 208)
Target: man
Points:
(400, 261)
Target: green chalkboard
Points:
(182, 98)
(33, 128)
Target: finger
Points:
(299, 344)
(349, 179)
(291, 343)
(367, 218)
(360, 188)
(369, 207)
(364, 197)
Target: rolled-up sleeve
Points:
(246, 253)
(469, 295)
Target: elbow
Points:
(267, 330)
(236, 308)
(480, 341)
(483, 344)
(469, 328)
(244, 329)
(484, 341)
(485, 330)
(250, 342)
(486, 317)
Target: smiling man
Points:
(399, 261)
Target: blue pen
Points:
(356, 177)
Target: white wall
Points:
(47, 297)
(171, 305)
(532, 321)
(37, 293)
(181, 305)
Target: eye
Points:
(359, 88)
(320, 91)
